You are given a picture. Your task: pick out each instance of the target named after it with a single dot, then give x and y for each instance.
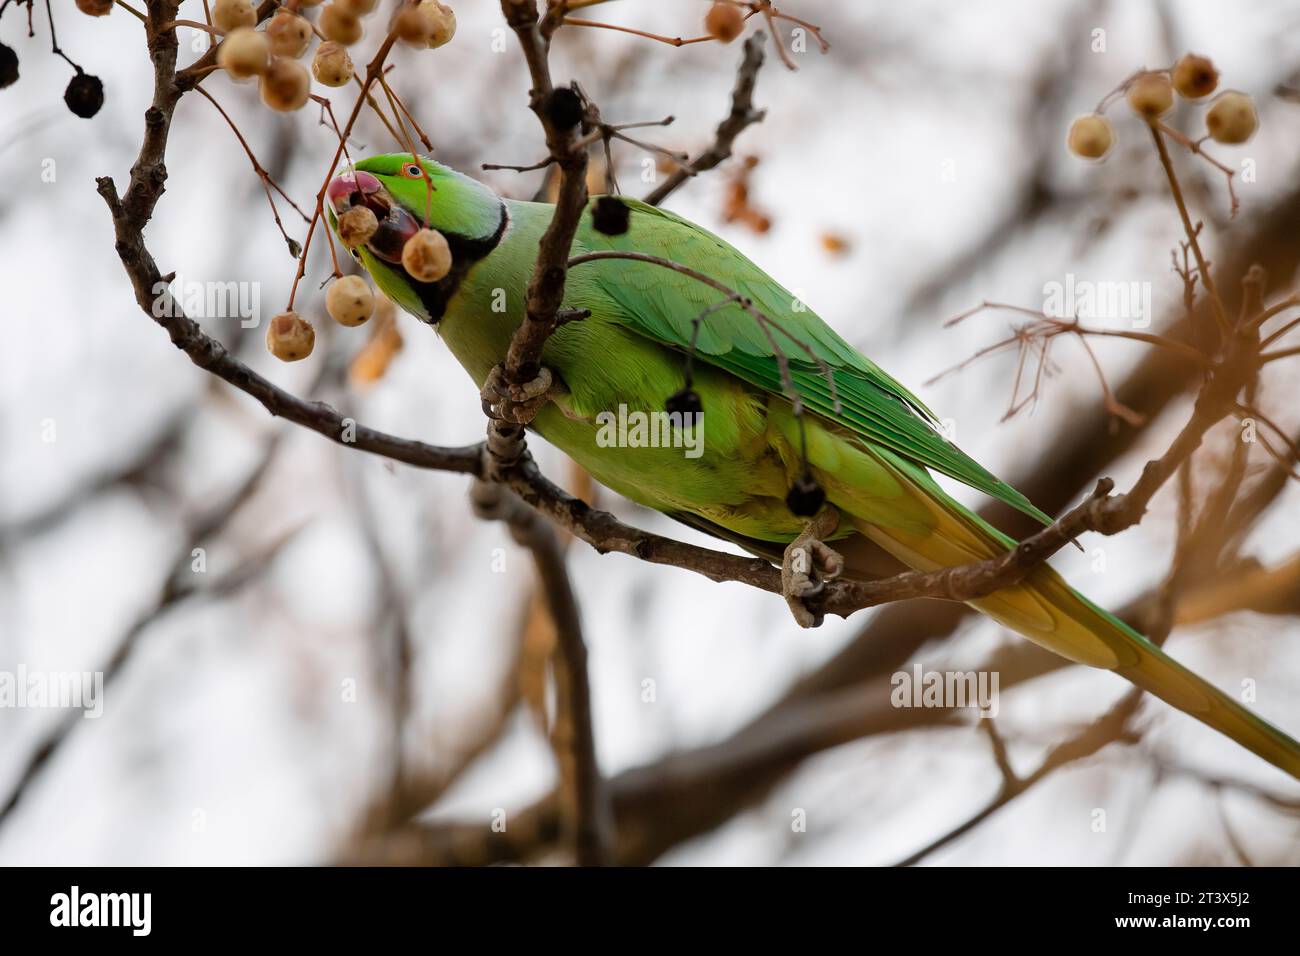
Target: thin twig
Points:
(742, 116)
(1207, 281)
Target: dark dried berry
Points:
(1195, 76)
(610, 216)
(564, 107)
(806, 497)
(84, 95)
(684, 402)
(8, 66)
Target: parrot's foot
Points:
(808, 564)
(516, 404)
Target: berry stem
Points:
(54, 40)
(671, 41)
(193, 25)
(267, 182)
(1220, 313)
(137, 14)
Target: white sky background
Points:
(230, 711)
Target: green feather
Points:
(660, 304)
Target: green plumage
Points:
(871, 444)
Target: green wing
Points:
(661, 304)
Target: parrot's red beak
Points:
(396, 224)
(351, 188)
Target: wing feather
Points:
(661, 304)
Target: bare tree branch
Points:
(175, 588)
(742, 116)
(589, 818)
(505, 442)
(1107, 729)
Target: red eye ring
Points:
(412, 171)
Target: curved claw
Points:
(812, 589)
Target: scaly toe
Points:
(537, 388)
(802, 616)
(827, 561)
(517, 404)
(806, 567)
(797, 585)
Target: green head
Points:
(407, 193)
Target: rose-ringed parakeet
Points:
(868, 443)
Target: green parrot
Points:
(868, 443)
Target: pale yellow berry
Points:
(285, 85)
(230, 15)
(244, 53)
(288, 33)
(426, 256)
(95, 8)
(358, 8)
(290, 337)
(331, 65)
(724, 22)
(1232, 118)
(1151, 95)
(339, 26)
(1091, 136)
(411, 27)
(440, 22)
(1195, 76)
(349, 301)
(356, 226)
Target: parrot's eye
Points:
(413, 171)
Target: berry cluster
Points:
(273, 53)
(1231, 118)
(426, 256)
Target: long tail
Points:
(1050, 613)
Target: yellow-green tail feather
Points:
(939, 532)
